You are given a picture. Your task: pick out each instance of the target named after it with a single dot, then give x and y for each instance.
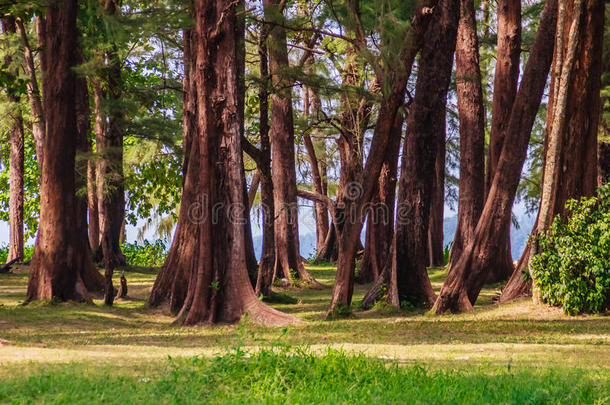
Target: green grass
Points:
(520, 350)
(298, 376)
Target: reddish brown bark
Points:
(425, 131)
(380, 220)
(109, 147)
(219, 289)
(467, 276)
(288, 257)
(367, 179)
(603, 157)
(171, 284)
(16, 158)
(437, 208)
(267, 262)
(60, 254)
(472, 130)
(94, 226)
(578, 174)
(505, 89)
(38, 120)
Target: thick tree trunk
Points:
(288, 257)
(425, 130)
(467, 276)
(505, 89)
(109, 147)
(219, 289)
(16, 158)
(472, 130)
(363, 188)
(437, 209)
(60, 254)
(380, 220)
(577, 157)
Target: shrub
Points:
(28, 251)
(573, 266)
(148, 254)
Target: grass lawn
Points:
(517, 353)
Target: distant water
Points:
(518, 237)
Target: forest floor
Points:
(129, 341)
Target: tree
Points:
(17, 156)
(109, 147)
(61, 264)
(437, 208)
(394, 80)
(467, 276)
(506, 81)
(472, 130)
(575, 147)
(288, 256)
(425, 131)
(219, 289)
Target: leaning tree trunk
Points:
(505, 89)
(16, 158)
(467, 276)
(437, 209)
(287, 244)
(380, 220)
(577, 154)
(60, 253)
(471, 114)
(397, 79)
(425, 130)
(218, 287)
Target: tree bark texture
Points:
(16, 159)
(61, 255)
(471, 113)
(425, 130)
(219, 289)
(470, 272)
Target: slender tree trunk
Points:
(94, 226)
(171, 284)
(505, 89)
(467, 276)
(437, 209)
(109, 147)
(288, 257)
(366, 182)
(16, 158)
(578, 140)
(380, 222)
(472, 130)
(60, 254)
(219, 289)
(38, 121)
(267, 262)
(425, 131)
(603, 156)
